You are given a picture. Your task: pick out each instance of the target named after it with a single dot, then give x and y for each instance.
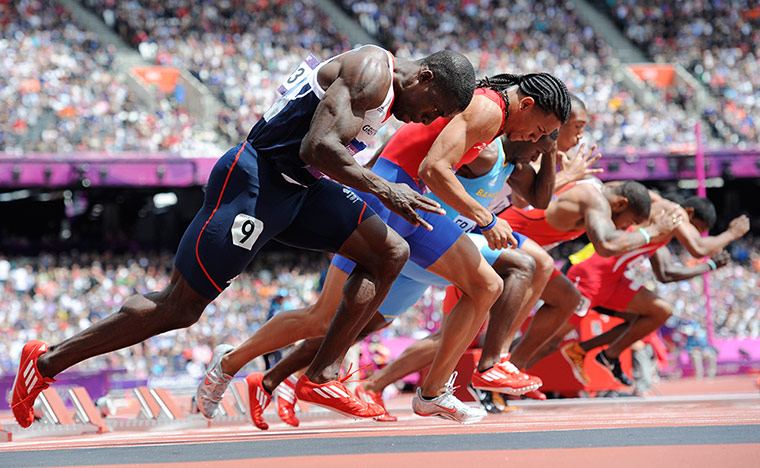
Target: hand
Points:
(739, 226)
(500, 236)
(402, 200)
(667, 221)
(579, 166)
(722, 258)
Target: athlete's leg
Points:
(516, 268)
(561, 299)
(140, 318)
(610, 335)
(414, 358)
(544, 269)
(303, 354)
(552, 345)
(464, 266)
(653, 312)
(379, 254)
(289, 326)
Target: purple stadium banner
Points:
(172, 170)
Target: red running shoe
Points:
(29, 383)
(258, 399)
(377, 398)
(335, 396)
(536, 395)
(504, 377)
(286, 401)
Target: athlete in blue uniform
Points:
(269, 187)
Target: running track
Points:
(695, 430)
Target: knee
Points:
(544, 267)
(492, 287)
(663, 311)
(525, 264)
(394, 256)
(181, 317)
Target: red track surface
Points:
(717, 424)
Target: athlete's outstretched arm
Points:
(666, 271)
(361, 85)
(699, 246)
(535, 189)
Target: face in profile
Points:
(626, 218)
(571, 132)
(518, 152)
(530, 122)
(421, 103)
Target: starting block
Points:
(84, 409)
(157, 403)
(53, 409)
(240, 397)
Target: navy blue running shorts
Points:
(247, 203)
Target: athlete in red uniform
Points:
(604, 286)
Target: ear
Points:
(426, 75)
(620, 204)
(689, 211)
(526, 103)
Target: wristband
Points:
(712, 264)
(490, 225)
(644, 233)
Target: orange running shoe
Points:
(29, 382)
(335, 396)
(286, 401)
(377, 398)
(504, 377)
(575, 356)
(258, 399)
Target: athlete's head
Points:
(518, 152)
(443, 87)
(543, 104)
(701, 213)
(630, 203)
(571, 131)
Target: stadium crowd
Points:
(61, 93)
(51, 297)
(717, 40)
(74, 101)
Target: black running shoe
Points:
(485, 398)
(613, 365)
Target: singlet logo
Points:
(355, 146)
(350, 195)
(369, 130)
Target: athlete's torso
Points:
(412, 142)
(591, 267)
(483, 189)
(278, 134)
(532, 222)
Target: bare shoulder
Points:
(366, 73)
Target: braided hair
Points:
(549, 93)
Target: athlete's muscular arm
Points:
(666, 271)
(699, 246)
(535, 189)
(479, 123)
(361, 85)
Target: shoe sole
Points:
(574, 368)
(336, 410)
(451, 417)
(510, 390)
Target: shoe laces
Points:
(344, 380)
(450, 387)
(509, 367)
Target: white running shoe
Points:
(214, 383)
(447, 406)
